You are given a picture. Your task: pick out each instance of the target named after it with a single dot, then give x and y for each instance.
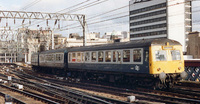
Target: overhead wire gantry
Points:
(45, 16)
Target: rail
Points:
(29, 94)
(15, 100)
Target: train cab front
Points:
(167, 64)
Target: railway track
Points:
(178, 95)
(69, 95)
(14, 100)
(141, 94)
(36, 98)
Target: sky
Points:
(101, 15)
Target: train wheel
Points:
(159, 85)
(170, 85)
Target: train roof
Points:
(130, 44)
(35, 53)
(54, 51)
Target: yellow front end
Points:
(167, 59)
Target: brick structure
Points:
(194, 44)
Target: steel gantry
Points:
(45, 16)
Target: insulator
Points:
(47, 22)
(6, 22)
(23, 21)
(55, 22)
(59, 24)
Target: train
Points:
(156, 63)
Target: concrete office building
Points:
(160, 19)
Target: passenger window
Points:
(82, 56)
(108, 56)
(176, 55)
(58, 57)
(49, 57)
(126, 56)
(93, 56)
(78, 57)
(161, 55)
(42, 58)
(137, 54)
(119, 55)
(100, 56)
(73, 57)
(114, 56)
(87, 56)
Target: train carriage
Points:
(34, 60)
(53, 60)
(155, 60)
(111, 57)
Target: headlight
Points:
(184, 75)
(162, 76)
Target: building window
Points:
(148, 14)
(188, 9)
(188, 29)
(126, 56)
(188, 23)
(108, 56)
(100, 56)
(158, 6)
(188, 16)
(148, 21)
(149, 27)
(93, 56)
(137, 54)
(188, 3)
(148, 34)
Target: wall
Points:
(194, 45)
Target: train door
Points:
(146, 59)
(66, 59)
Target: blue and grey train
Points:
(143, 62)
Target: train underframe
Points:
(127, 79)
(118, 79)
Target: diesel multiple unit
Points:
(150, 62)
